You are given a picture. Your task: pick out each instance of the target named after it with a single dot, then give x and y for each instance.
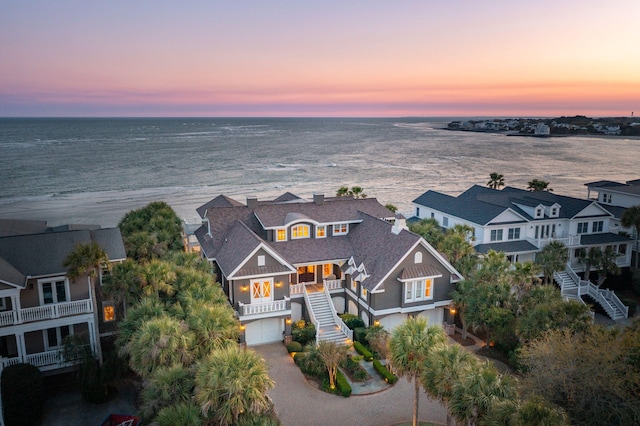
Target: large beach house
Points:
(290, 258)
(39, 304)
(521, 223)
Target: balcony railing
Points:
(333, 284)
(296, 289)
(40, 313)
(570, 241)
(261, 308)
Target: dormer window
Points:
(300, 231)
(539, 212)
(321, 231)
(340, 229)
(554, 212)
(281, 235)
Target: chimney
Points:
(399, 224)
(318, 199)
(252, 202)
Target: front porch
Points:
(297, 290)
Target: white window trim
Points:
(45, 337)
(584, 226)
(340, 231)
(498, 237)
(285, 234)
(301, 226)
(261, 260)
(414, 285)
(417, 257)
(325, 231)
(55, 294)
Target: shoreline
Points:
(506, 133)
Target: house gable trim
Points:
(253, 252)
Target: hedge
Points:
(22, 395)
(351, 321)
(343, 385)
(294, 347)
(384, 372)
(359, 347)
(359, 334)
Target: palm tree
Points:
(496, 180)
(332, 355)
(147, 309)
(232, 381)
(477, 392)
(589, 258)
(445, 366)
(539, 185)
(158, 276)
(409, 346)
(462, 297)
(429, 229)
(124, 285)
(607, 264)
(183, 414)
(552, 258)
(458, 250)
(89, 259)
(161, 341)
(357, 192)
(343, 191)
(213, 326)
(523, 277)
(167, 386)
(631, 219)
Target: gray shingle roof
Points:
(238, 244)
(590, 239)
(519, 246)
(44, 254)
(419, 271)
(219, 201)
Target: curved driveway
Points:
(299, 403)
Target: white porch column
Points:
(15, 302)
(95, 324)
(22, 347)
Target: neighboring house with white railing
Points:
(289, 258)
(521, 223)
(39, 303)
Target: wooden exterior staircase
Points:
(329, 326)
(573, 288)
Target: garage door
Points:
(264, 331)
(392, 321)
(433, 316)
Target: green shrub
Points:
(298, 358)
(294, 347)
(632, 304)
(384, 372)
(359, 334)
(355, 370)
(22, 395)
(359, 347)
(343, 385)
(303, 333)
(351, 321)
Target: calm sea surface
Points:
(95, 170)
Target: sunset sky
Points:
(319, 58)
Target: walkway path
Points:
(300, 403)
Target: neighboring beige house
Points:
(39, 304)
(289, 258)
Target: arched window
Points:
(417, 258)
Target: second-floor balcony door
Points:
(262, 290)
(54, 292)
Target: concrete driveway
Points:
(300, 403)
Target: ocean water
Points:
(95, 170)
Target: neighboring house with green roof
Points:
(39, 303)
(289, 258)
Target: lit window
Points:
(281, 235)
(321, 232)
(300, 231)
(327, 269)
(108, 312)
(340, 229)
(418, 290)
(354, 285)
(363, 293)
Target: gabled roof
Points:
(239, 243)
(287, 196)
(481, 205)
(219, 201)
(631, 187)
(43, 254)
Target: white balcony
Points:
(277, 306)
(45, 312)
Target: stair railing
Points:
(315, 322)
(346, 330)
